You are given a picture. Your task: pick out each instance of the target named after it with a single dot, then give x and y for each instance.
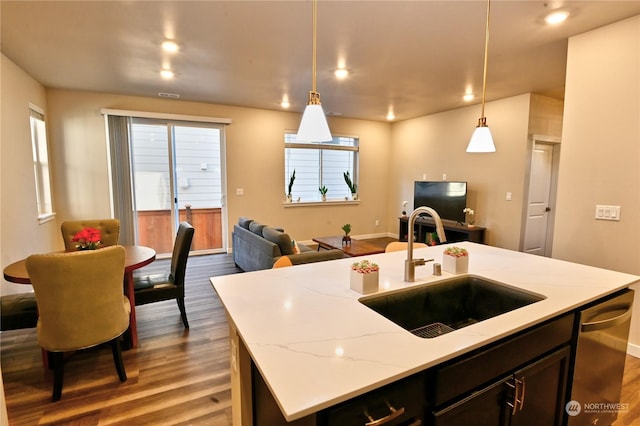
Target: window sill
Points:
(320, 203)
(47, 217)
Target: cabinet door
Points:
(483, 408)
(540, 391)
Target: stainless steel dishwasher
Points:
(600, 357)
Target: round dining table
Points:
(135, 257)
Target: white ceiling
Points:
(417, 57)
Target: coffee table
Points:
(356, 248)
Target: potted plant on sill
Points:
(291, 180)
(346, 239)
(353, 187)
(323, 192)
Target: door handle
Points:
(547, 209)
(518, 395)
(586, 327)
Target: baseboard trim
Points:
(633, 350)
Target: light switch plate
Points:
(607, 212)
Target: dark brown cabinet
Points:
(424, 227)
(533, 395)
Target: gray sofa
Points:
(257, 246)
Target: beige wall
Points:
(545, 116)
(434, 145)
(20, 232)
(392, 157)
(255, 162)
(600, 161)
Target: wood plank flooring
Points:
(175, 377)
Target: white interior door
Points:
(538, 206)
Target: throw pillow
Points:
(296, 249)
(256, 228)
(280, 238)
(244, 222)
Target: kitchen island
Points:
(304, 331)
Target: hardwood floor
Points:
(175, 377)
(630, 393)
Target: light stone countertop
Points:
(316, 345)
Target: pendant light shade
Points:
(314, 126)
(482, 140)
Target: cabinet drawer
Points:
(467, 374)
(407, 395)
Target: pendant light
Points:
(481, 140)
(313, 126)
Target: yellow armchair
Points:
(80, 304)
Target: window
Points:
(320, 164)
(41, 164)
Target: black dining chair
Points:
(169, 285)
(18, 311)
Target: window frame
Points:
(321, 148)
(41, 163)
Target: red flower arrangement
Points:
(87, 239)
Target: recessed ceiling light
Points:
(341, 73)
(556, 17)
(285, 102)
(167, 74)
(390, 115)
(170, 46)
(468, 97)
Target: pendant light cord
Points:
(486, 56)
(314, 29)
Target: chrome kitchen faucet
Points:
(411, 263)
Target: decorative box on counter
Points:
(364, 277)
(455, 260)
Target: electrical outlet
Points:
(239, 191)
(377, 222)
(509, 196)
(607, 212)
(444, 176)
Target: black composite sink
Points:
(435, 309)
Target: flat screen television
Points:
(447, 198)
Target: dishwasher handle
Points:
(586, 327)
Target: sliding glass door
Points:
(178, 175)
